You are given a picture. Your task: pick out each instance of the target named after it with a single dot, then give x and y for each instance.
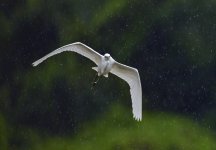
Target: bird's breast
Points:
(105, 67)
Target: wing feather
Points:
(77, 47)
(131, 76)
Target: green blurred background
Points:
(52, 107)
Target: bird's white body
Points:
(105, 65)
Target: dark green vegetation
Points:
(171, 43)
(118, 131)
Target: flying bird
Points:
(105, 65)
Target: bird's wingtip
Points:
(34, 64)
(137, 118)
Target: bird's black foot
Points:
(96, 79)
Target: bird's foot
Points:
(96, 79)
(93, 85)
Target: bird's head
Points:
(107, 56)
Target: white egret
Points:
(105, 64)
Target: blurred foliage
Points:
(171, 43)
(3, 135)
(115, 130)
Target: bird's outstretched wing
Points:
(77, 47)
(131, 76)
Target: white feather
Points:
(131, 76)
(77, 47)
(106, 64)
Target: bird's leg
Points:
(96, 79)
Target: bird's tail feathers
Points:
(95, 68)
(106, 75)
